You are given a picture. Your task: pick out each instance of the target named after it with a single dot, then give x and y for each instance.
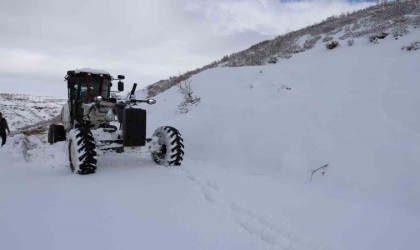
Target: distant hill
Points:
(23, 110)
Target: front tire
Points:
(82, 151)
(171, 152)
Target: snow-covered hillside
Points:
(251, 145)
(393, 18)
(24, 110)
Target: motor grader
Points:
(96, 120)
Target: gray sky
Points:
(145, 40)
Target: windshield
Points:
(90, 87)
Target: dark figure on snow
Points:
(3, 128)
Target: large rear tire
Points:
(171, 152)
(82, 151)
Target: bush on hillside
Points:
(327, 39)
(332, 45)
(189, 99)
(376, 37)
(272, 60)
(399, 31)
(310, 42)
(413, 46)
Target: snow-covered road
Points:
(131, 203)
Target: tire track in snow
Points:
(278, 236)
(387, 115)
(398, 125)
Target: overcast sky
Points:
(146, 40)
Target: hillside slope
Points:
(355, 108)
(391, 17)
(251, 145)
(25, 110)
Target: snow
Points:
(24, 110)
(250, 146)
(92, 71)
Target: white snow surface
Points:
(90, 70)
(250, 146)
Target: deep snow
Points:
(245, 183)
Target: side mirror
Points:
(120, 86)
(121, 77)
(151, 101)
